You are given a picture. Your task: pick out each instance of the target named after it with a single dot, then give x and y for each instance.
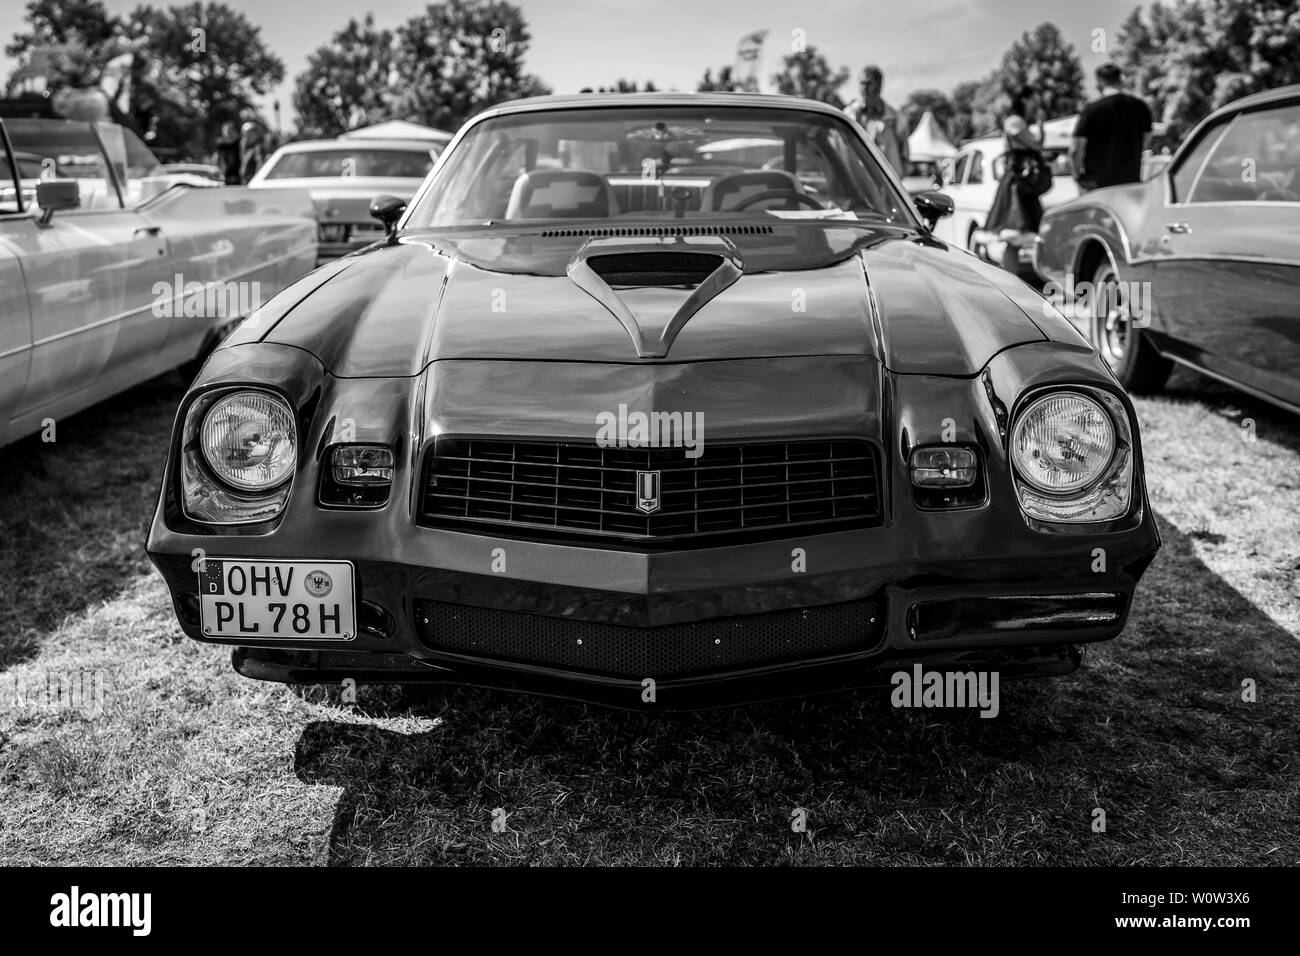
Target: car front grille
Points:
(577, 489)
(672, 650)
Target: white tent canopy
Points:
(399, 129)
(1058, 133)
(928, 140)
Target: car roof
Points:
(357, 145)
(1267, 97)
(598, 100)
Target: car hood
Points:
(888, 293)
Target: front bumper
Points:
(708, 627)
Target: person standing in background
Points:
(1110, 135)
(1016, 204)
(885, 126)
(251, 151)
(228, 154)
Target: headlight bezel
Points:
(205, 498)
(1108, 497)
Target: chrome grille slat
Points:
(581, 490)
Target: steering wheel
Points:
(1277, 194)
(776, 194)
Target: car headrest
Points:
(561, 194)
(725, 192)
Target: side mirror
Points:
(933, 206)
(56, 194)
(388, 209)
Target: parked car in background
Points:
(971, 179)
(342, 176)
(923, 175)
(112, 273)
(1199, 265)
(746, 432)
(202, 170)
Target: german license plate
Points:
(309, 600)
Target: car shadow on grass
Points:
(1153, 731)
(77, 509)
(1265, 421)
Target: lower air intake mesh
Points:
(637, 652)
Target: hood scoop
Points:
(654, 286)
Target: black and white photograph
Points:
(593, 435)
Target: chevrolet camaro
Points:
(618, 415)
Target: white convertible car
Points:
(113, 270)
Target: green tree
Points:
(349, 81)
(57, 22)
(199, 65)
(460, 57)
(189, 67)
(1041, 58)
(723, 83)
(68, 45)
(628, 86)
(807, 74)
(974, 108)
(1188, 59)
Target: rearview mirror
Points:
(388, 209)
(56, 194)
(933, 206)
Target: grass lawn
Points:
(185, 762)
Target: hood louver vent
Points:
(681, 269)
(655, 231)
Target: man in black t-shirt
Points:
(1110, 135)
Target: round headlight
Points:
(1062, 442)
(249, 441)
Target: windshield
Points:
(327, 163)
(693, 162)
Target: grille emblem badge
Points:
(647, 492)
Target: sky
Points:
(576, 43)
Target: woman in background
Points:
(1026, 175)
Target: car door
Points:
(90, 274)
(15, 317)
(1227, 264)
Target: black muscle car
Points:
(620, 415)
(1200, 264)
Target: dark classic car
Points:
(1200, 264)
(613, 418)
